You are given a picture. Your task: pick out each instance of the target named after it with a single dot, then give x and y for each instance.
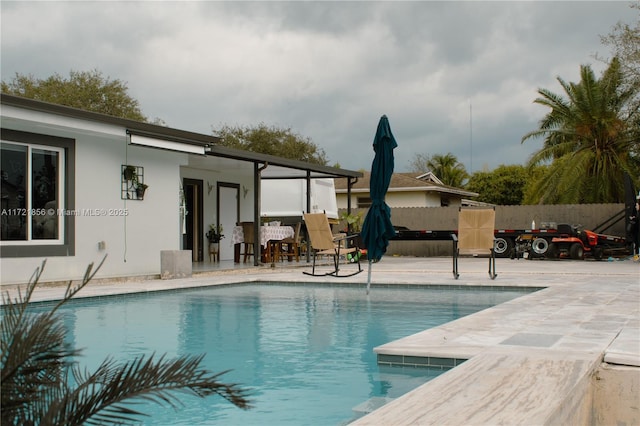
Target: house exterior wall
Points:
(399, 199)
(407, 199)
(341, 199)
(88, 191)
(432, 199)
(132, 231)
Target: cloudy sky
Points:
(451, 76)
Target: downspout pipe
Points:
(350, 183)
(308, 179)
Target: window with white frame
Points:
(34, 176)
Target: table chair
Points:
(248, 229)
(292, 244)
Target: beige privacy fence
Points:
(588, 216)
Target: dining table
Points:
(269, 234)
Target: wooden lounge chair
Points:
(323, 243)
(476, 229)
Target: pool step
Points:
(371, 404)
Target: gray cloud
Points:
(455, 77)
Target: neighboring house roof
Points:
(278, 167)
(403, 182)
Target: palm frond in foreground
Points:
(41, 385)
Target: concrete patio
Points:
(566, 354)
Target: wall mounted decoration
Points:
(132, 186)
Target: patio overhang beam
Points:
(282, 168)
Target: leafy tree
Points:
(272, 140)
(419, 163)
(87, 90)
(624, 40)
(445, 167)
(588, 140)
(503, 186)
(41, 385)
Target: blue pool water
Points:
(305, 352)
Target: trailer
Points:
(505, 242)
(555, 241)
(549, 241)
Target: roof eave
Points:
(211, 143)
(132, 125)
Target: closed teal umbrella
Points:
(377, 227)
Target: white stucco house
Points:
(67, 195)
(405, 190)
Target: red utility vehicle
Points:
(568, 241)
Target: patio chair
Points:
(476, 229)
(248, 231)
(293, 245)
(323, 243)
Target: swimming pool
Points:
(306, 352)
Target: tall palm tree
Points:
(448, 169)
(588, 140)
(41, 386)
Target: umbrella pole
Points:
(369, 277)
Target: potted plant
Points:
(215, 233)
(129, 173)
(214, 236)
(140, 189)
(354, 225)
(353, 221)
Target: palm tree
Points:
(588, 140)
(447, 169)
(41, 386)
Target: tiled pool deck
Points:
(528, 360)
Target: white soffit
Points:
(165, 144)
